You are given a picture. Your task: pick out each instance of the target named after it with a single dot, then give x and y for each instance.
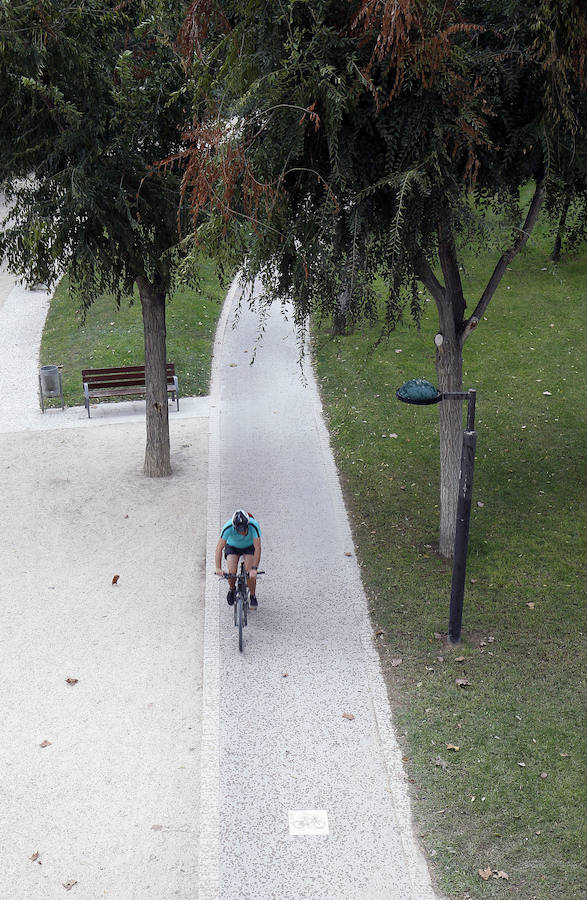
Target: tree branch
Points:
(427, 276)
(447, 254)
(505, 260)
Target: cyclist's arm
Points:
(219, 548)
(257, 553)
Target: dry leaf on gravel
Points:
(156, 827)
(72, 680)
(486, 873)
(346, 553)
(69, 884)
(348, 716)
(35, 856)
(45, 744)
(115, 579)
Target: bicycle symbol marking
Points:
(308, 821)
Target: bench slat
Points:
(118, 381)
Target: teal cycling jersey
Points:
(240, 541)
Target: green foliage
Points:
(383, 120)
(477, 807)
(90, 100)
(111, 335)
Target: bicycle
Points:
(241, 599)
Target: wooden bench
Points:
(122, 381)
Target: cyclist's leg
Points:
(252, 579)
(232, 557)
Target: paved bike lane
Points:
(276, 740)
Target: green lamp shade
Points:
(418, 391)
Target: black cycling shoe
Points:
(230, 598)
(253, 601)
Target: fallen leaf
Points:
(72, 680)
(45, 744)
(346, 553)
(462, 682)
(530, 605)
(69, 884)
(396, 662)
(348, 716)
(501, 875)
(453, 747)
(156, 827)
(564, 755)
(459, 658)
(379, 633)
(35, 856)
(115, 579)
(486, 873)
(284, 674)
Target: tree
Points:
(92, 96)
(381, 131)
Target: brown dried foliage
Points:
(200, 15)
(214, 166)
(406, 37)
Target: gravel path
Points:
(297, 729)
(100, 778)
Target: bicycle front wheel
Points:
(240, 617)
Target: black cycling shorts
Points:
(229, 550)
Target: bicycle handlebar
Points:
(236, 574)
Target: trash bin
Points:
(50, 384)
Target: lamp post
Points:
(422, 393)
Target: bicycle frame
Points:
(241, 599)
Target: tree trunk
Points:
(449, 369)
(558, 241)
(157, 453)
(339, 317)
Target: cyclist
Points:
(240, 536)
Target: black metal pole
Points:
(459, 568)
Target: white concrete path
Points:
(99, 780)
(275, 738)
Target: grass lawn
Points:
(497, 767)
(114, 337)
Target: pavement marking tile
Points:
(308, 821)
